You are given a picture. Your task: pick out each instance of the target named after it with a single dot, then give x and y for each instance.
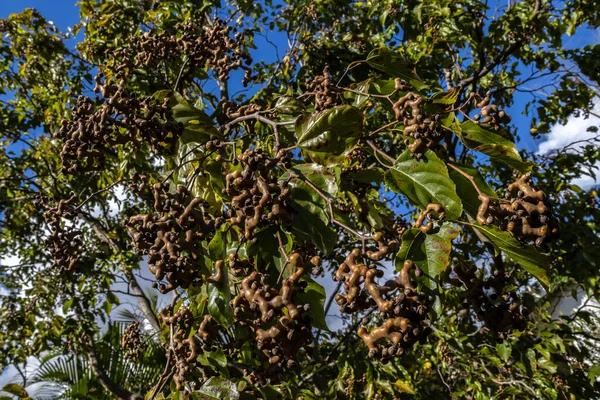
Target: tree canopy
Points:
(163, 141)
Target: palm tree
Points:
(71, 377)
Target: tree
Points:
(157, 144)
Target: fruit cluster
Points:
(421, 127)
(187, 44)
(64, 242)
(131, 342)
(171, 239)
(184, 349)
(402, 308)
(256, 198)
(499, 311)
(260, 306)
(324, 90)
(528, 216)
(122, 120)
(489, 113)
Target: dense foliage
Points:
(163, 144)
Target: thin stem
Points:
(287, 258)
(331, 209)
(98, 192)
(383, 153)
(469, 177)
(327, 307)
(257, 117)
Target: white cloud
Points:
(574, 130)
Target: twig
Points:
(327, 307)
(98, 192)
(331, 210)
(256, 116)
(180, 74)
(469, 177)
(443, 381)
(287, 258)
(383, 153)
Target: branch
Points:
(143, 301)
(501, 57)
(383, 153)
(104, 379)
(256, 116)
(327, 307)
(469, 177)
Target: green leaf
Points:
(289, 105)
(315, 295)
(393, 64)
(424, 181)
(527, 256)
(265, 248)
(326, 137)
(217, 388)
(465, 190)
(447, 98)
(371, 86)
(218, 304)
(213, 359)
(309, 227)
(110, 296)
(15, 389)
(481, 138)
(67, 304)
(594, 372)
(504, 350)
(307, 197)
(216, 247)
(198, 126)
(270, 393)
(430, 252)
(547, 365)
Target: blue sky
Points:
(64, 13)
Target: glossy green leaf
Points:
(217, 388)
(429, 251)
(309, 227)
(265, 248)
(198, 126)
(270, 393)
(289, 105)
(213, 359)
(326, 137)
(218, 304)
(67, 304)
(534, 262)
(424, 181)
(216, 247)
(393, 64)
(315, 295)
(304, 195)
(484, 139)
(465, 190)
(547, 365)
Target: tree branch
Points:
(105, 380)
(143, 301)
